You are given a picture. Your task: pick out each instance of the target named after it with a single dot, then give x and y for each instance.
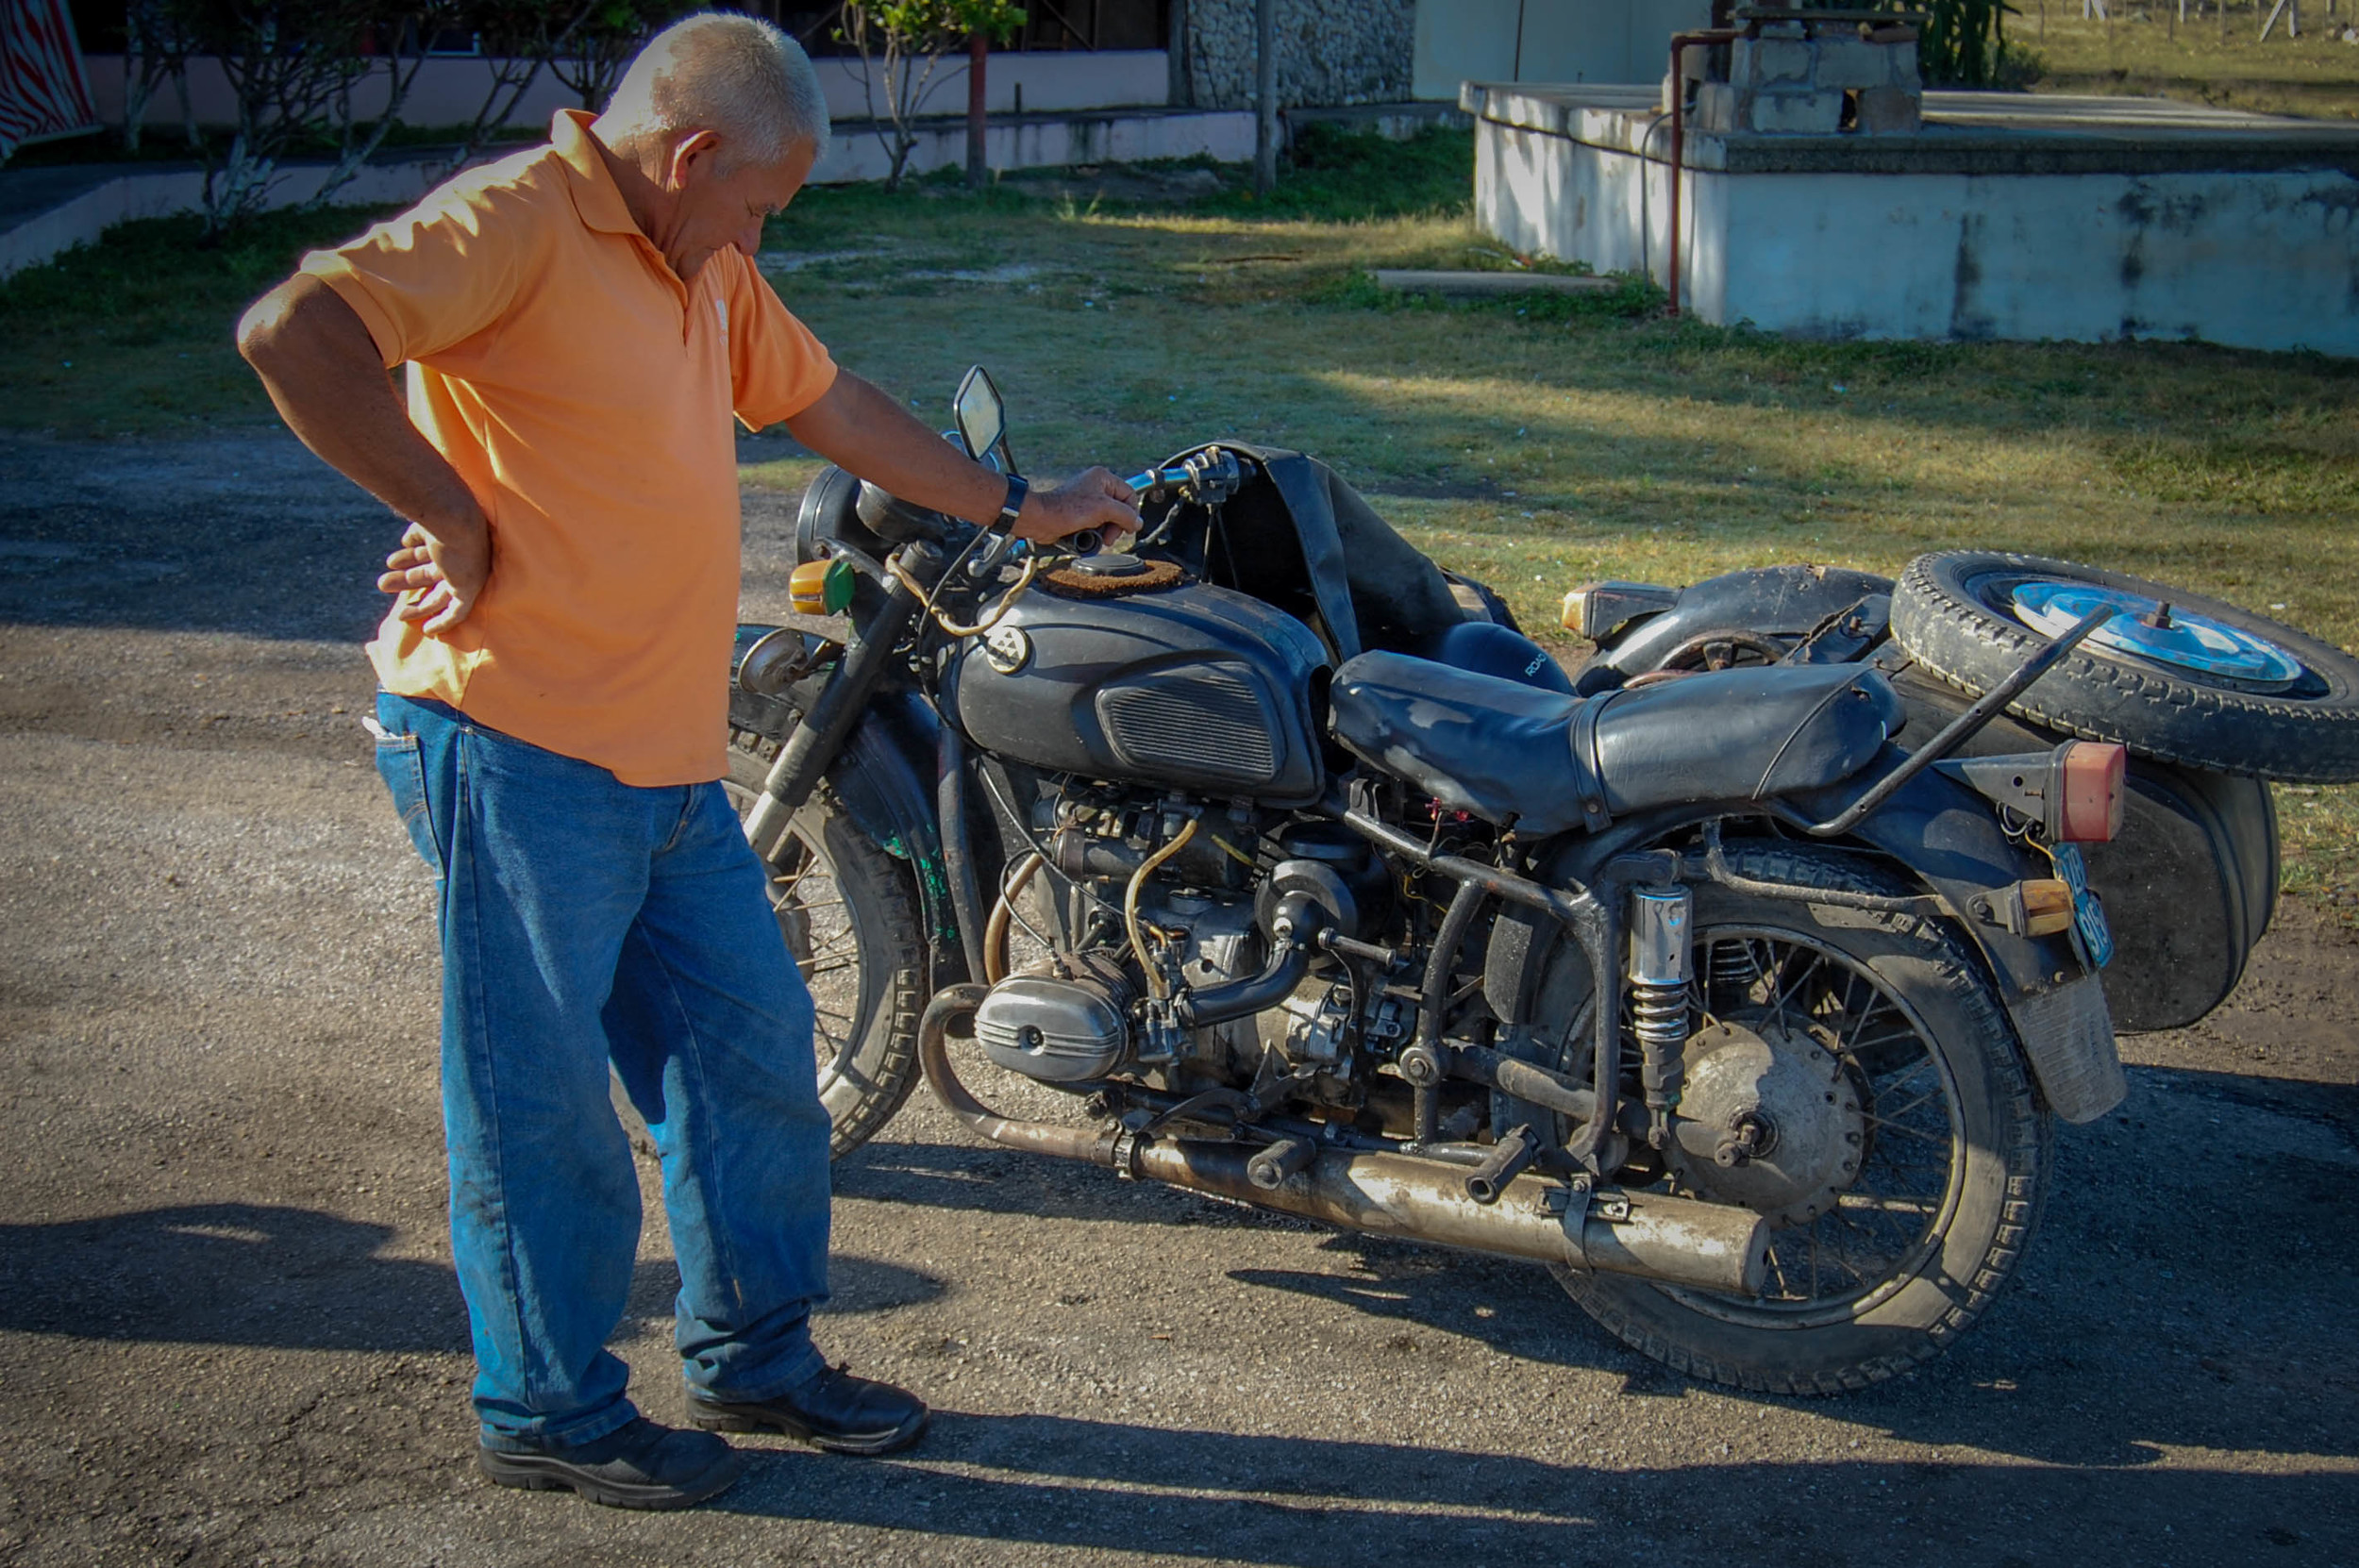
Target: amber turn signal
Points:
(2089, 791)
(822, 587)
(2047, 908)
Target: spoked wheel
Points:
(1852, 1079)
(847, 912)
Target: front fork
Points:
(813, 743)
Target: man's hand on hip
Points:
(323, 371)
(444, 572)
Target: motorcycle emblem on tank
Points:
(1008, 649)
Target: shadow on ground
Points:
(1108, 1487)
(239, 1274)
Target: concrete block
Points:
(1784, 30)
(1903, 63)
(1889, 112)
(1797, 114)
(1719, 109)
(1767, 61)
(1852, 62)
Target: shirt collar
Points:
(595, 195)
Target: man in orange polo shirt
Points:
(580, 323)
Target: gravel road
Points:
(229, 1334)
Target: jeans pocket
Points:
(404, 769)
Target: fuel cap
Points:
(1110, 563)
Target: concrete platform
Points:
(2010, 215)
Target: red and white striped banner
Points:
(43, 89)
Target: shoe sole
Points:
(540, 1473)
(866, 1445)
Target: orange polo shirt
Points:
(584, 394)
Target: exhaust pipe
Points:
(1676, 1240)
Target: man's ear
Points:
(699, 151)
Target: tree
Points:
(902, 44)
(156, 50)
(1965, 42)
(291, 64)
(520, 40)
(602, 42)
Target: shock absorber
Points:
(1661, 918)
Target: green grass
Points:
(2145, 50)
(1530, 443)
(131, 336)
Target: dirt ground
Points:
(229, 1335)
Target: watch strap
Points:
(1017, 490)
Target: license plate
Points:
(2095, 937)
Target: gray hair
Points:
(736, 76)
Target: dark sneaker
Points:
(835, 1410)
(639, 1466)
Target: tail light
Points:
(2086, 802)
(2074, 792)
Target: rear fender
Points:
(1949, 840)
(1949, 837)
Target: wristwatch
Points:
(1017, 490)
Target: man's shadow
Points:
(293, 1279)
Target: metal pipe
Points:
(934, 1057)
(1506, 1162)
(1681, 44)
(1224, 1004)
(1442, 962)
(1962, 728)
(1679, 1241)
(958, 859)
(1002, 912)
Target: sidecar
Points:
(2212, 701)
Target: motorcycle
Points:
(2211, 700)
(1340, 899)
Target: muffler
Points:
(1677, 1240)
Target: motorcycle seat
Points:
(1544, 761)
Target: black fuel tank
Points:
(1182, 684)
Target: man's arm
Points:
(861, 430)
(323, 371)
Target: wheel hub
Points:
(2156, 632)
(1768, 1120)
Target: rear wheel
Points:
(1902, 1154)
(849, 917)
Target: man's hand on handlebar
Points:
(1095, 499)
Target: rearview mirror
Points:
(983, 420)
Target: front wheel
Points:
(849, 917)
(1862, 1069)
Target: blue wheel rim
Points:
(2177, 640)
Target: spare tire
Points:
(2177, 676)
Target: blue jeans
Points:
(586, 922)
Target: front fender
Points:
(883, 776)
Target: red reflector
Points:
(2089, 781)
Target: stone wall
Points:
(1329, 52)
